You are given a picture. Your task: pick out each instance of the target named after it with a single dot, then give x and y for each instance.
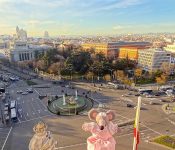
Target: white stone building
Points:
(170, 48)
(22, 51)
(4, 45)
(152, 59)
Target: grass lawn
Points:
(166, 141)
(29, 82)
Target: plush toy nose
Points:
(101, 127)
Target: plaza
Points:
(67, 130)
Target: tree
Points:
(162, 79)
(120, 74)
(158, 73)
(138, 72)
(107, 77)
(90, 75)
(100, 57)
(166, 68)
(80, 61)
(41, 65)
(54, 68)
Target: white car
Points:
(149, 96)
(145, 93)
(19, 92)
(24, 93)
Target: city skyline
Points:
(95, 17)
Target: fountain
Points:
(70, 104)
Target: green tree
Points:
(80, 61)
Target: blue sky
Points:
(87, 17)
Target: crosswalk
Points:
(4, 133)
(29, 110)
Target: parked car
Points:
(19, 92)
(6, 108)
(129, 93)
(24, 93)
(149, 96)
(152, 103)
(145, 93)
(29, 90)
(129, 105)
(6, 105)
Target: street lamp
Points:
(70, 69)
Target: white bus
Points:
(14, 115)
(13, 104)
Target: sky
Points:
(87, 17)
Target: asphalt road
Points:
(67, 130)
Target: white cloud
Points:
(121, 4)
(118, 27)
(48, 3)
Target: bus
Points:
(14, 115)
(13, 104)
(141, 91)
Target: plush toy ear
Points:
(92, 114)
(110, 114)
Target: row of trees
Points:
(79, 62)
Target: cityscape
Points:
(87, 75)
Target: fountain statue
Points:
(64, 100)
(72, 101)
(42, 139)
(76, 95)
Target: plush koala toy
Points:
(102, 130)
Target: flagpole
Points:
(136, 124)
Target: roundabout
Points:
(69, 104)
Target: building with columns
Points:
(22, 51)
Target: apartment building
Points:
(152, 59)
(119, 49)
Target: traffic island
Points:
(69, 105)
(29, 82)
(169, 108)
(165, 141)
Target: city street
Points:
(67, 130)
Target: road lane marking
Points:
(6, 138)
(37, 92)
(151, 129)
(36, 118)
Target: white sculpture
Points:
(42, 139)
(21, 34)
(76, 95)
(64, 100)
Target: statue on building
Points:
(42, 139)
(46, 34)
(21, 34)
